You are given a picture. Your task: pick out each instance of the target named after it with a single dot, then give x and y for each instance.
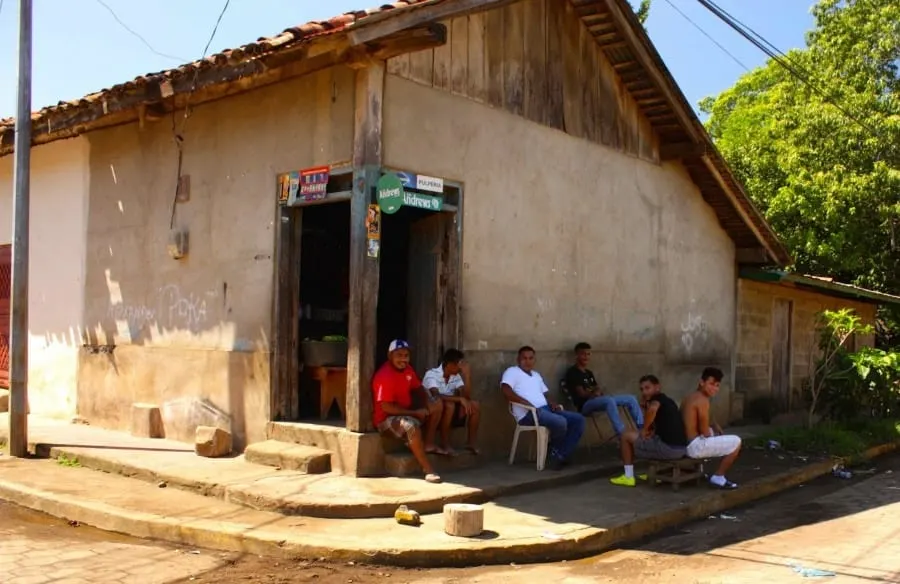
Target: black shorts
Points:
(654, 448)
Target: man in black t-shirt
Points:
(663, 436)
(588, 398)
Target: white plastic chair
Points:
(542, 436)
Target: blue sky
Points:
(80, 48)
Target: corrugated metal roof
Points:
(821, 284)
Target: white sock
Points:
(717, 480)
(629, 471)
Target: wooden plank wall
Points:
(535, 59)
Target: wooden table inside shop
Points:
(332, 387)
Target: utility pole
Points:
(18, 342)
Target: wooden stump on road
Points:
(463, 520)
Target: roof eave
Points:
(836, 289)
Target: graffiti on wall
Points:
(694, 332)
(172, 309)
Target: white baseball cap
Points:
(397, 344)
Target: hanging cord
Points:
(178, 136)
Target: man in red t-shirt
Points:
(395, 411)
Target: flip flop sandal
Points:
(433, 478)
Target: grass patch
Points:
(844, 439)
(64, 460)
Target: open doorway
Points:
(323, 302)
(418, 286)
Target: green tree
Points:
(643, 11)
(829, 186)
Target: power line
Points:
(209, 41)
(707, 35)
(133, 32)
(215, 28)
(178, 136)
(786, 62)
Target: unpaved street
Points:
(845, 527)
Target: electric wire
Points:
(707, 35)
(133, 32)
(178, 135)
(789, 64)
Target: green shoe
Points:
(622, 481)
(642, 477)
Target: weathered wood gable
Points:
(539, 60)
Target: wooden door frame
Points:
(453, 267)
(284, 400)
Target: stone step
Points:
(289, 456)
(403, 464)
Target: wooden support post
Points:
(364, 271)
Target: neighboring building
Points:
(581, 199)
(777, 347)
(59, 207)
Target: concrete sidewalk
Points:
(288, 492)
(560, 523)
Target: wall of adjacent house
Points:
(567, 240)
(194, 335)
(59, 208)
(754, 334)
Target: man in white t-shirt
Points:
(450, 383)
(523, 386)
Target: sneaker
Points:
(642, 477)
(622, 481)
(726, 486)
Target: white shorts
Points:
(713, 447)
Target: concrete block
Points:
(212, 442)
(288, 456)
(146, 421)
(463, 519)
(184, 415)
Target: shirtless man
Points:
(705, 441)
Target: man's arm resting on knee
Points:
(393, 409)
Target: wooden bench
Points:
(675, 472)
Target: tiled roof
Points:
(661, 101)
(262, 46)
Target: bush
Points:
(846, 384)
